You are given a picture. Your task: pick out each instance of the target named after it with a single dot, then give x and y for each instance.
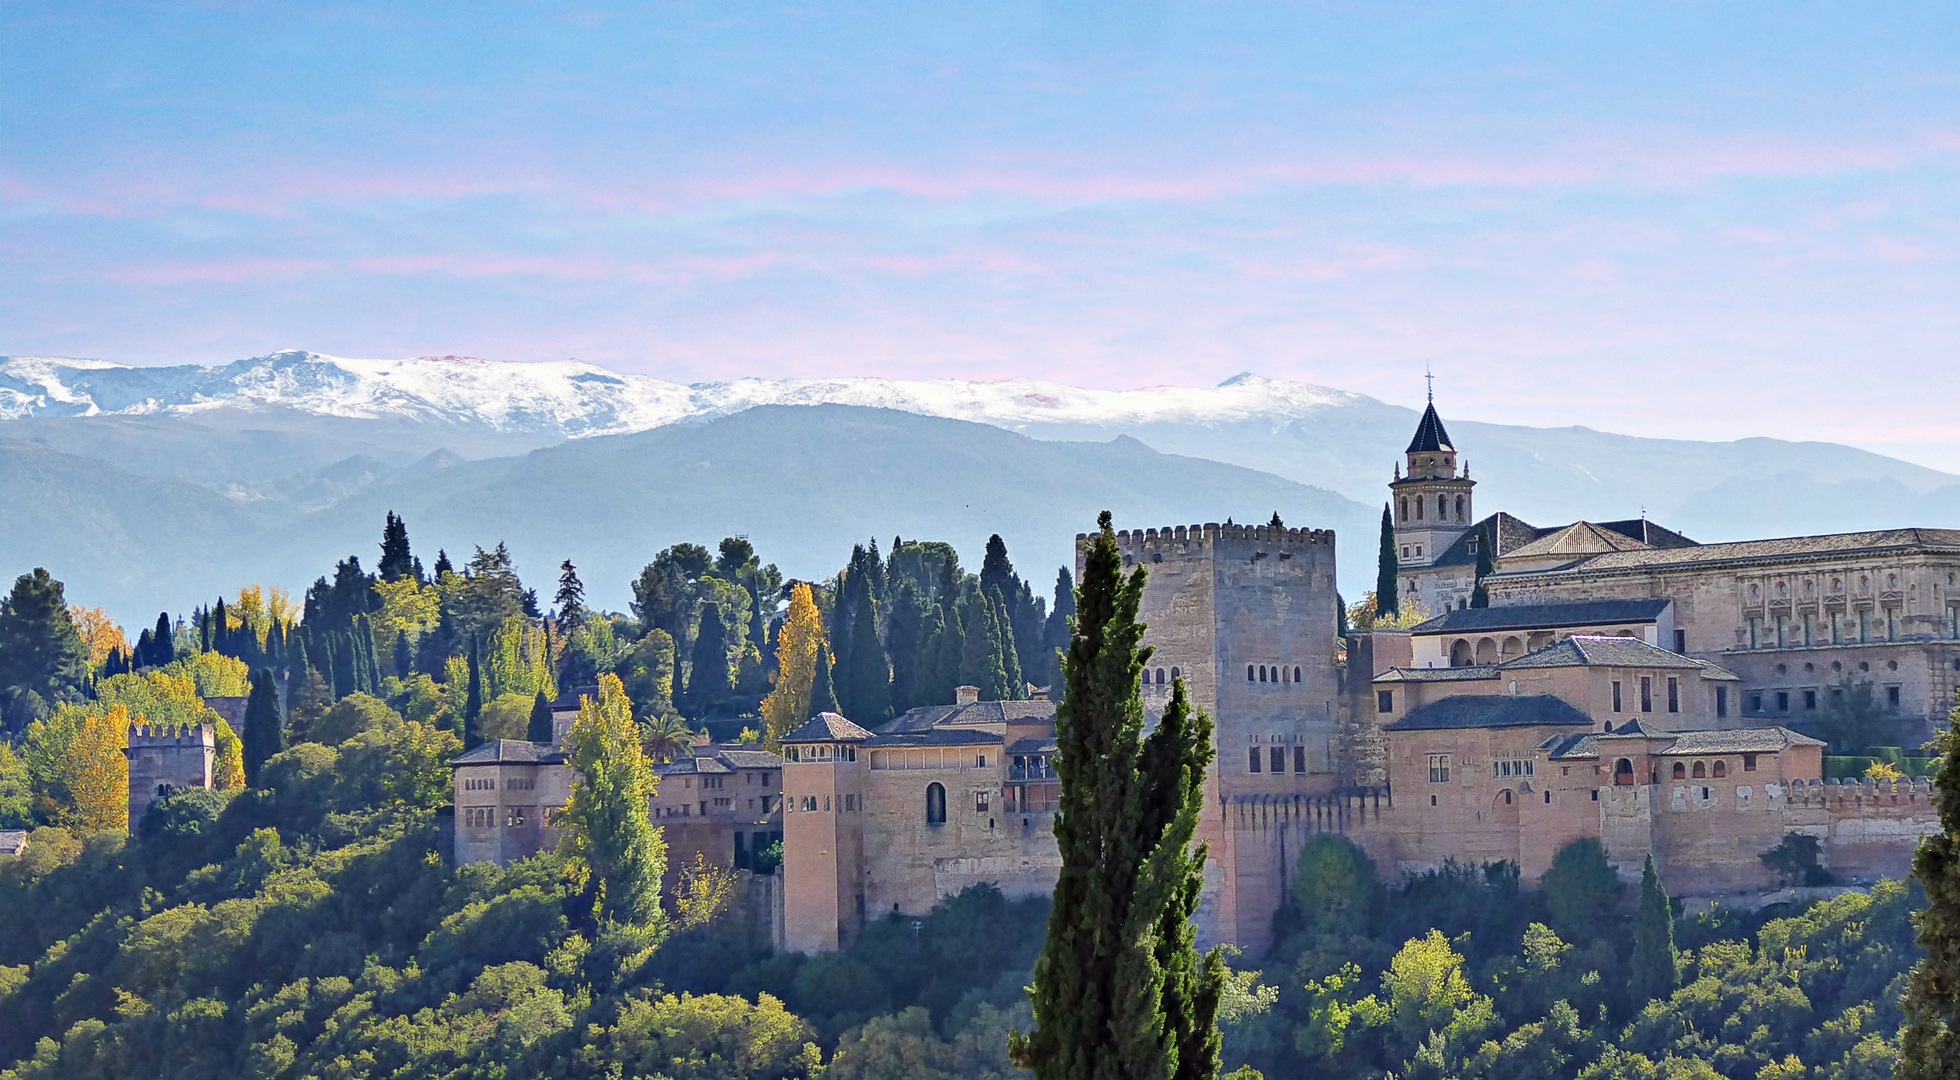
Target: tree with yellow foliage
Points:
(407, 607)
(228, 763)
(796, 666)
(99, 632)
(95, 771)
(612, 840)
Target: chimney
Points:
(966, 695)
(1037, 693)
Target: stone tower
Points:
(1432, 502)
(823, 833)
(1246, 616)
(162, 760)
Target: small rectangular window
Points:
(1300, 760)
(1278, 759)
(1616, 695)
(1674, 695)
(981, 801)
(1253, 757)
(1755, 703)
(1782, 701)
(1748, 763)
(1595, 795)
(1810, 701)
(1681, 641)
(1385, 701)
(1439, 768)
(1721, 701)
(1646, 693)
(1892, 696)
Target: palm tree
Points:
(664, 737)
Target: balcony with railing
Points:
(1031, 798)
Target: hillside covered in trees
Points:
(304, 919)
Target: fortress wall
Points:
(1869, 829)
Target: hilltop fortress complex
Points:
(1623, 683)
(1607, 680)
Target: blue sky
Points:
(1706, 220)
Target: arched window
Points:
(1262, 673)
(1459, 508)
(1248, 672)
(1174, 675)
(1721, 769)
(1405, 509)
(1296, 674)
(1285, 675)
(1442, 508)
(1623, 773)
(1419, 502)
(1160, 676)
(1507, 796)
(1680, 771)
(1701, 771)
(935, 804)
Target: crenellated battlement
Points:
(1193, 539)
(1841, 796)
(184, 736)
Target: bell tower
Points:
(1431, 500)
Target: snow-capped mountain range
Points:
(571, 398)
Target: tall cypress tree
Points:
(1388, 570)
(162, 643)
(707, 677)
(264, 734)
(473, 704)
(340, 660)
(539, 730)
(823, 691)
(1653, 974)
(1014, 687)
(903, 640)
(1120, 991)
(402, 660)
(981, 664)
(864, 686)
(1929, 1046)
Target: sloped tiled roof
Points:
(13, 841)
(1885, 541)
(1034, 744)
(1438, 674)
(753, 759)
(508, 752)
(1429, 433)
(827, 727)
(1581, 650)
(1579, 540)
(1545, 616)
(1491, 712)
(1740, 741)
(1648, 533)
(980, 712)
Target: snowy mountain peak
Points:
(574, 398)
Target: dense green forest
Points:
(303, 919)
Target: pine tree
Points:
(443, 565)
(570, 600)
(1276, 524)
(1652, 969)
(539, 730)
(1929, 1045)
(1120, 991)
(396, 562)
(707, 677)
(473, 704)
(264, 734)
(823, 692)
(1388, 570)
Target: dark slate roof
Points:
(1429, 433)
(1583, 650)
(980, 712)
(1511, 533)
(1878, 543)
(1545, 616)
(827, 727)
(508, 752)
(1537, 710)
(1034, 744)
(568, 701)
(935, 737)
(1767, 740)
(1438, 674)
(752, 759)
